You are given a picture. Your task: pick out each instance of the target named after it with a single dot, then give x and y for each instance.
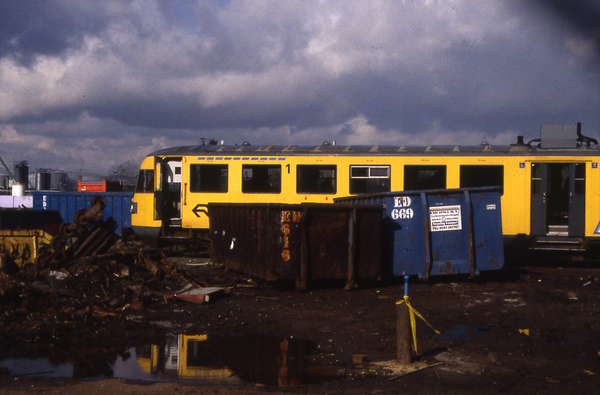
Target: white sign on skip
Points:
(445, 218)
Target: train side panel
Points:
(174, 204)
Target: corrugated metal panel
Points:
(300, 242)
(118, 205)
(440, 231)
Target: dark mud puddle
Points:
(262, 359)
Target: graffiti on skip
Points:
(19, 252)
(402, 208)
(287, 217)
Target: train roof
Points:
(376, 150)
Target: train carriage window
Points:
(417, 177)
(316, 179)
(473, 176)
(208, 178)
(261, 179)
(369, 179)
(145, 182)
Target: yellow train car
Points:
(550, 186)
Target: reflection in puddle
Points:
(458, 333)
(463, 333)
(263, 359)
(183, 357)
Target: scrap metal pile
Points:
(92, 236)
(44, 305)
(103, 284)
(71, 288)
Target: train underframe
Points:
(188, 242)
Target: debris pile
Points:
(84, 281)
(72, 298)
(115, 279)
(90, 233)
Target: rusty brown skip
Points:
(299, 242)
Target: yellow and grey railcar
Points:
(550, 186)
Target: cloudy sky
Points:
(88, 85)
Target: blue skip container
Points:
(118, 205)
(437, 232)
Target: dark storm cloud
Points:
(583, 15)
(37, 27)
(134, 76)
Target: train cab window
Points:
(209, 178)
(316, 179)
(261, 179)
(473, 176)
(369, 179)
(417, 177)
(145, 182)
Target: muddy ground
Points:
(533, 328)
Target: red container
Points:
(99, 186)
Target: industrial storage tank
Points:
(4, 181)
(58, 181)
(21, 172)
(42, 179)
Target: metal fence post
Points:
(403, 335)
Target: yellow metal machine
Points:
(23, 232)
(22, 245)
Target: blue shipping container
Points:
(118, 205)
(439, 231)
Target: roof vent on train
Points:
(205, 141)
(520, 141)
(521, 145)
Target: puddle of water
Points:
(462, 333)
(459, 333)
(549, 337)
(263, 359)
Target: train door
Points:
(158, 189)
(557, 199)
(168, 191)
